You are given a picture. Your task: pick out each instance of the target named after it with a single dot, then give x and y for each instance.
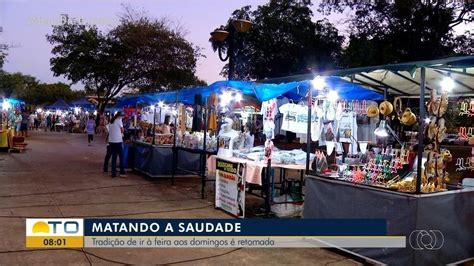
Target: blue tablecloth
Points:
(157, 161)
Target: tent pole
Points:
(154, 124)
(308, 136)
(420, 130)
(136, 121)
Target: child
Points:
(90, 128)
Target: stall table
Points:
(4, 138)
(254, 172)
(197, 169)
(154, 160)
(450, 212)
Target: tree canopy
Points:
(403, 30)
(283, 41)
(32, 91)
(3, 52)
(139, 53)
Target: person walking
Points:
(17, 121)
(49, 120)
(31, 122)
(90, 128)
(24, 124)
(116, 142)
(108, 153)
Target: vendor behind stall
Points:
(248, 136)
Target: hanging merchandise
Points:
(268, 112)
(212, 125)
(408, 118)
(212, 102)
(372, 111)
(386, 108)
(397, 106)
(347, 131)
(197, 115)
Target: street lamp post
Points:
(239, 26)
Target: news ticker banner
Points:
(209, 233)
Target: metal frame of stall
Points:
(203, 153)
(446, 68)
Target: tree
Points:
(283, 41)
(48, 93)
(16, 84)
(139, 53)
(3, 52)
(32, 91)
(403, 30)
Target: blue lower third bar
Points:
(227, 233)
(234, 227)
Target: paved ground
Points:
(60, 176)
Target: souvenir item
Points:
(397, 106)
(372, 111)
(386, 108)
(408, 118)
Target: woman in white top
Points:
(115, 143)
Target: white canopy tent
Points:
(405, 79)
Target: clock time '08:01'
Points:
(54, 242)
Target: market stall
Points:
(59, 111)
(388, 158)
(9, 108)
(149, 136)
(259, 165)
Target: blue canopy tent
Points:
(59, 104)
(299, 89)
(83, 103)
(146, 99)
(295, 90)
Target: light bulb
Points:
(6, 105)
(238, 97)
(381, 131)
(318, 83)
(447, 84)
